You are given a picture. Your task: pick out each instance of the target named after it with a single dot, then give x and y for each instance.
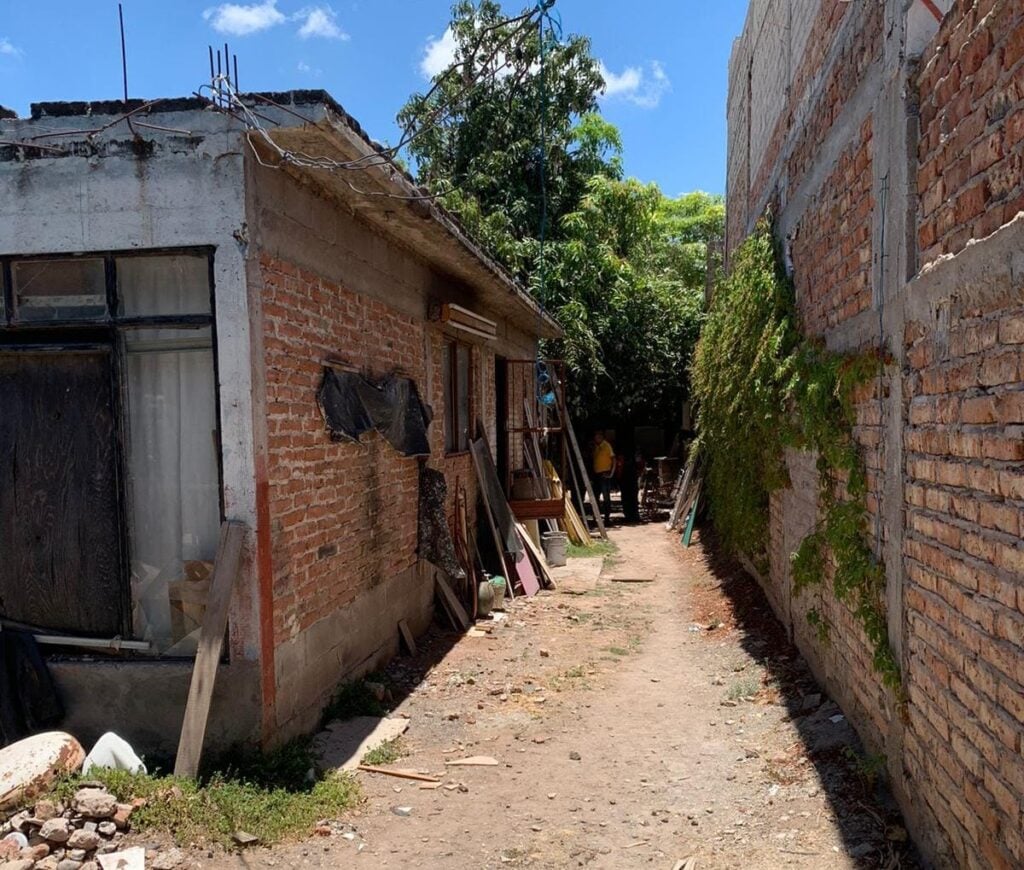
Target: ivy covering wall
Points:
(761, 387)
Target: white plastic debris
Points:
(114, 752)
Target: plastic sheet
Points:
(352, 405)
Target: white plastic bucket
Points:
(555, 544)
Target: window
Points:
(457, 383)
(59, 289)
(156, 321)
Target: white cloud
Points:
(626, 82)
(439, 54)
(643, 88)
(320, 21)
(238, 20)
(8, 48)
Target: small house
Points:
(175, 298)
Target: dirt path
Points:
(628, 734)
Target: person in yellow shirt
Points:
(604, 464)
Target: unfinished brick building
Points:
(169, 305)
(888, 138)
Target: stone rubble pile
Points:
(54, 836)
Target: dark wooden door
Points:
(60, 528)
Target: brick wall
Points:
(970, 175)
(795, 98)
(343, 516)
(964, 563)
(942, 435)
(833, 245)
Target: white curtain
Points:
(172, 460)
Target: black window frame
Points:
(69, 334)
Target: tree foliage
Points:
(522, 155)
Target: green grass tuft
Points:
(388, 752)
(212, 811)
(355, 699)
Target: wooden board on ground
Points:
(343, 743)
(399, 772)
(474, 761)
(450, 600)
(407, 638)
(211, 643)
(580, 576)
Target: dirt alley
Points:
(636, 724)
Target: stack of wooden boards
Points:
(687, 501)
(571, 521)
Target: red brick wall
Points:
(343, 516)
(971, 151)
(964, 444)
(841, 82)
(832, 92)
(832, 251)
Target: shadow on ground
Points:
(853, 780)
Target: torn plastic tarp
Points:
(352, 404)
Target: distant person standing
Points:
(604, 466)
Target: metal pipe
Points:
(94, 643)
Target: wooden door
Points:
(60, 520)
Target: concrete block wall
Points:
(896, 184)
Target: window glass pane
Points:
(59, 289)
(450, 427)
(173, 482)
(462, 377)
(178, 284)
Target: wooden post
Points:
(211, 642)
(567, 423)
(482, 489)
(585, 476)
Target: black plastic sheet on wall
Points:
(353, 404)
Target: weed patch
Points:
(212, 810)
(388, 752)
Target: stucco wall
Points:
(112, 193)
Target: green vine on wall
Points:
(762, 386)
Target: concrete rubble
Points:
(58, 836)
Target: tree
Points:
(521, 155)
(500, 127)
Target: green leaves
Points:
(762, 387)
(623, 266)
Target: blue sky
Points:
(666, 61)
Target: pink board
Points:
(527, 576)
